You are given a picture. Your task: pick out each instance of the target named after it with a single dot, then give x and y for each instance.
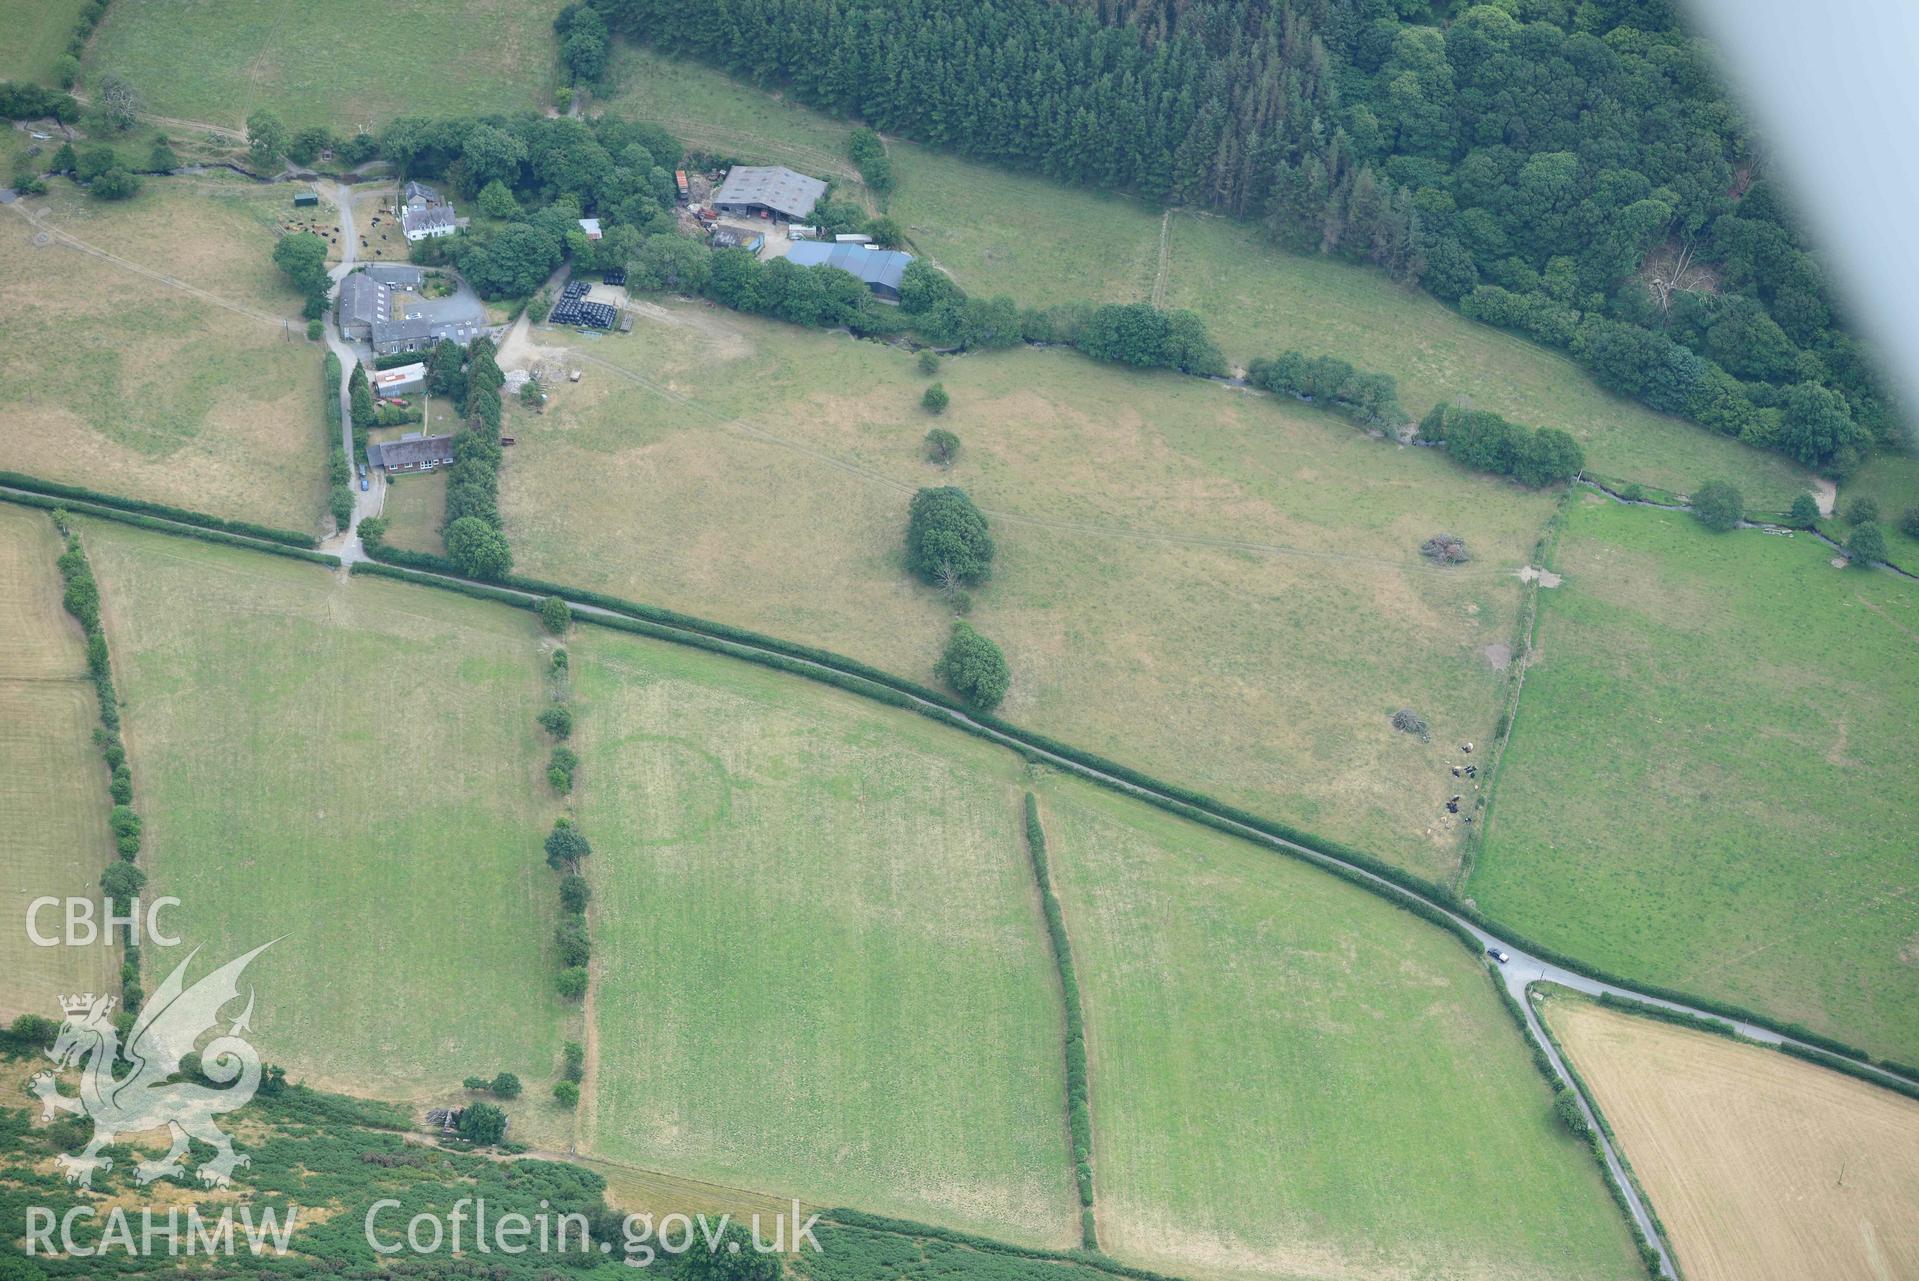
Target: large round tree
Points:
(946, 539)
(478, 549)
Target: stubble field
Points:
(1763, 1167)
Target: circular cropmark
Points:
(683, 788)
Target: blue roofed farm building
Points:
(880, 270)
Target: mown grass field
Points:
(37, 34)
(414, 509)
(351, 767)
(117, 380)
(1221, 588)
(999, 232)
(348, 65)
(1291, 1078)
(819, 962)
(1709, 779)
(1763, 1167)
(53, 783)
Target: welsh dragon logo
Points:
(140, 1098)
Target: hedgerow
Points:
(1648, 1255)
(121, 880)
(140, 506)
(1367, 398)
(1483, 441)
(1078, 1084)
(170, 527)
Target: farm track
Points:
(205, 126)
(173, 282)
(1163, 273)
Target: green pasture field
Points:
(351, 767)
(711, 112)
(347, 64)
(37, 34)
(202, 393)
(820, 968)
(1709, 780)
(1291, 1078)
(1219, 587)
(53, 783)
(1891, 480)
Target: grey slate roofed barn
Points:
(411, 454)
(773, 187)
(396, 275)
(362, 302)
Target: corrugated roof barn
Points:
(772, 188)
(880, 269)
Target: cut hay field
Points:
(1763, 1167)
(820, 966)
(114, 379)
(53, 784)
(346, 64)
(37, 34)
(353, 767)
(1708, 783)
(1217, 587)
(999, 232)
(1351, 1101)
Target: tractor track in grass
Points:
(72, 241)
